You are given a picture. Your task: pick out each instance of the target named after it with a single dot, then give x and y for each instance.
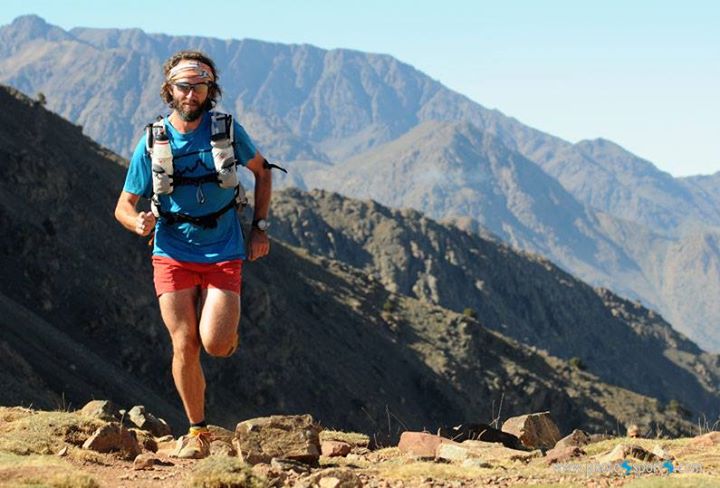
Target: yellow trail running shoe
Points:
(194, 445)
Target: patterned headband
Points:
(190, 68)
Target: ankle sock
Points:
(198, 427)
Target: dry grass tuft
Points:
(672, 481)
(37, 471)
(352, 438)
(224, 472)
(11, 414)
(413, 470)
(45, 432)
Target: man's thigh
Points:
(220, 315)
(179, 313)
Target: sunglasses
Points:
(199, 88)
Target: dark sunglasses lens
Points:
(200, 88)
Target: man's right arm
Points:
(141, 223)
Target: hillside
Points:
(63, 449)
(325, 342)
(316, 109)
(522, 296)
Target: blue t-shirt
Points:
(192, 156)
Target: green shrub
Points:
(470, 312)
(678, 408)
(577, 363)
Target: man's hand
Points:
(258, 244)
(144, 223)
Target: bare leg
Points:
(219, 321)
(179, 312)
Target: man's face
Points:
(189, 97)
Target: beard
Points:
(188, 111)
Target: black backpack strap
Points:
(208, 221)
(267, 165)
(152, 131)
(221, 127)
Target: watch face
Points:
(262, 224)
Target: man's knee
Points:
(186, 349)
(222, 349)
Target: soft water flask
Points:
(224, 158)
(162, 166)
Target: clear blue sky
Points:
(645, 74)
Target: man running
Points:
(186, 164)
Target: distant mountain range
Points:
(370, 126)
(351, 338)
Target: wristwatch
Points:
(261, 224)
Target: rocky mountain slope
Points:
(605, 176)
(620, 223)
(79, 320)
(522, 296)
(456, 171)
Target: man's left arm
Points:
(259, 244)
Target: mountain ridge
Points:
(318, 109)
(81, 273)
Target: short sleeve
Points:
(138, 180)
(244, 147)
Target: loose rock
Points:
(623, 451)
(101, 409)
(219, 447)
(335, 478)
(146, 421)
(535, 431)
(144, 461)
(661, 453)
(479, 432)
(113, 437)
(335, 448)
(706, 440)
(563, 454)
(421, 444)
(577, 438)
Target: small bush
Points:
(678, 408)
(577, 363)
(470, 312)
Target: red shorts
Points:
(171, 275)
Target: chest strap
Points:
(208, 221)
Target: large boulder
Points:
(535, 430)
(293, 437)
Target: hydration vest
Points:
(164, 179)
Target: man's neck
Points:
(183, 126)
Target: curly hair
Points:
(166, 89)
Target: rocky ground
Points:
(106, 447)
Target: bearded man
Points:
(186, 165)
